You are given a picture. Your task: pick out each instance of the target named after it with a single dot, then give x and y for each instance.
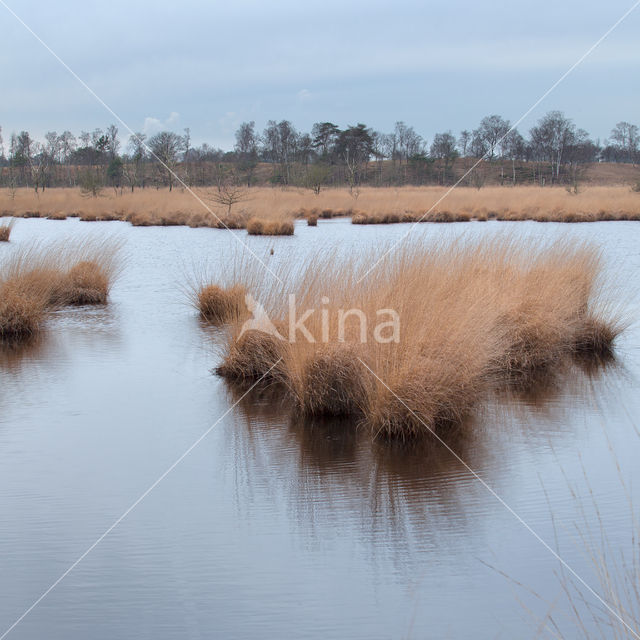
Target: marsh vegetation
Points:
(44, 277)
(471, 316)
(273, 211)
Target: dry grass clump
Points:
(87, 282)
(274, 227)
(595, 337)
(545, 296)
(254, 355)
(22, 309)
(470, 316)
(5, 230)
(219, 305)
(332, 382)
(39, 279)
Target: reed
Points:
(218, 305)
(375, 205)
(40, 278)
(471, 314)
(262, 227)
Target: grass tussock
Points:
(470, 317)
(255, 355)
(86, 282)
(375, 205)
(5, 230)
(39, 279)
(261, 227)
(218, 305)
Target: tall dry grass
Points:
(5, 230)
(41, 278)
(372, 205)
(473, 315)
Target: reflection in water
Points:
(14, 352)
(403, 495)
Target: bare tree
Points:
(229, 191)
(491, 132)
(626, 138)
(113, 144)
(166, 147)
(247, 149)
(133, 170)
(463, 142)
(67, 147)
(280, 142)
(551, 137)
(444, 149)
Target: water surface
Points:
(270, 527)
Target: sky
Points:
(436, 65)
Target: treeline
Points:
(555, 151)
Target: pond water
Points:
(276, 529)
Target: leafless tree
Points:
(491, 133)
(247, 149)
(444, 149)
(550, 139)
(626, 138)
(229, 191)
(166, 147)
(463, 142)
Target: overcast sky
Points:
(211, 65)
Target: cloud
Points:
(155, 125)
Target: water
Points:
(277, 529)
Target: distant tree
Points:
(90, 184)
(247, 149)
(550, 139)
(514, 148)
(316, 176)
(166, 148)
(229, 190)
(407, 142)
(133, 169)
(67, 146)
(463, 142)
(113, 144)
(305, 152)
(115, 172)
(443, 148)
(280, 142)
(85, 139)
(490, 133)
(354, 148)
(625, 138)
(324, 137)
(187, 144)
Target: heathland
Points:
(272, 210)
